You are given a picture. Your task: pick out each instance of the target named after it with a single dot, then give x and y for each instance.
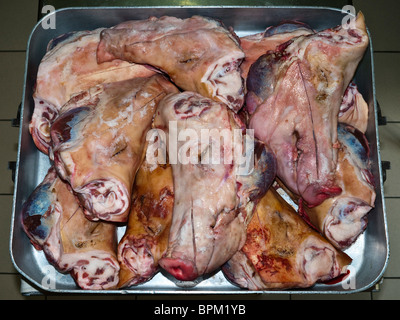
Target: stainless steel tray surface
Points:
(370, 252)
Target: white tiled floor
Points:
(383, 22)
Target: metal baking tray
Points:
(371, 251)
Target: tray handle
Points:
(381, 119)
(385, 166)
(12, 165)
(17, 121)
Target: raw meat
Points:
(354, 109)
(98, 141)
(55, 223)
(199, 54)
(296, 92)
(256, 45)
(69, 67)
(213, 203)
(282, 251)
(146, 236)
(343, 219)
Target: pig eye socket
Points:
(119, 148)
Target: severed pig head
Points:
(98, 142)
(255, 45)
(213, 198)
(296, 92)
(282, 251)
(69, 67)
(54, 222)
(146, 237)
(199, 54)
(342, 219)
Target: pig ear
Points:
(255, 184)
(64, 38)
(286, 27)
(37, 212)
(262, 75)
(252, 102)
(356, 147)
(103, 54)
(355, 141)
(360, 22)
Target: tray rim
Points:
(234, 291)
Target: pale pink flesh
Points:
(197, 53)
(68, 69)
(299, 120)
(98, 142)
(354, 109)
(204, 193)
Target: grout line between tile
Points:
(9, 273)
(386, 51)
(39, 12)
(11, 51)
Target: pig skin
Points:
(212, 203)
(296, 92)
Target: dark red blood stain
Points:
(338, 279)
